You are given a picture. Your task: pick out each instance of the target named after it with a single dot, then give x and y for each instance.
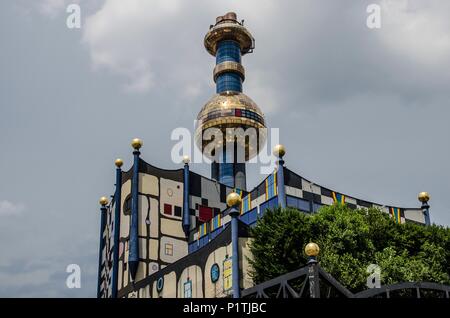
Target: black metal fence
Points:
(312, 281)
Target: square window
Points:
(205, 214)
(168, 249)
(177, 210)
(167, 209)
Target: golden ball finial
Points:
(233, 199)
(137, 143)
(423, 197)
(186, 159)
(312, 249)
(118, 162)
(103, 201)
(279, 150)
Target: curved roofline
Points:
(127, 176)
(351, 196)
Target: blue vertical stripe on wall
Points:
(133, 258)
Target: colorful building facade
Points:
(168, 233)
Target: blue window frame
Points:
(188, 289)
(228, 50)
(229, 82)
(192, 247)
(250, 217)
(301, 204)
(216, 232)
(316, 207)
(269, 204)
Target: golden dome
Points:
(312, 249)
(118, 162)
(137, 143)
(423, 197)
(231, 110)
(103, 201)
(233, 199)
(279, 150)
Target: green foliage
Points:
(349, 241)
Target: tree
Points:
(350, 240)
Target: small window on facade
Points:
(127, 206)
(177, 211)
(205, 213)
(167, 209)
(188, 289)
(168, 249)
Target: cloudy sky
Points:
(363, 111)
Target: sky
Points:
(362, 111)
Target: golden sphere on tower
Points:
(137, 143)
(186, 159)
(233, 199)
(279, 150)
(423, 197)
(227, 112)
(118, 162)
(103, 201)
(312, 249)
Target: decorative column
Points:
(117, 207)
(103, 202)
(186, 216)
(424, 197)
(312, 250)
(279, 151)
(233, 201)
(133, 257)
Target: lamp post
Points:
(103, 202)
(424, 197)
(233, 201)
(312, 250)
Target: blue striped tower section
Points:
(228, 40)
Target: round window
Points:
(160, 284)
(215, 272)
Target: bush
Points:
(350, 240)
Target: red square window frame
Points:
(167, 209)
(201, 213)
